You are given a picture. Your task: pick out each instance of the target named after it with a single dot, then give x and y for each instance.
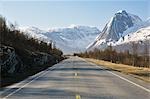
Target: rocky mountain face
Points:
(9, 60)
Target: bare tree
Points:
(135, 52)
(146, 53)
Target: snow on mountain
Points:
(69, 40)
(34, 32)
(121, 24)
(139, 32)
(122, 29)
(140, 35)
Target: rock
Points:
(9, 59)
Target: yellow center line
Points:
(78, 97)
(76, 74)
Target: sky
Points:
(63, 13)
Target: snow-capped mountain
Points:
(34, 32)
(120, 26)
(69, 40)
(141, 37)
(123, 29)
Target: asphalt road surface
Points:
(75, 78)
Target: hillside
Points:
(22, 56)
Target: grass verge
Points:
(138, 72)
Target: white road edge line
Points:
(40, 75)
(130, 82)
(120, 77)
(19, 83)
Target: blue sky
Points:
(62, 13)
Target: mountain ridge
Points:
(70, 39)
(77, 38)
(118, 27)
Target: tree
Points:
(3, 29)
(134, 51)
(146, 54)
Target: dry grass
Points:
(138, 72)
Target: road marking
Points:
(78, 97)
(120, 77)
(41, 74)
(127, 80)
(75, 74)
(130, 82)
(27, 79)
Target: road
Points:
(75, 78)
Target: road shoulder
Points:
(125, 71)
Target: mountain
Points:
(122, 29)
(70, 39)
(34, 32)
(140, 35)
(120, 25)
